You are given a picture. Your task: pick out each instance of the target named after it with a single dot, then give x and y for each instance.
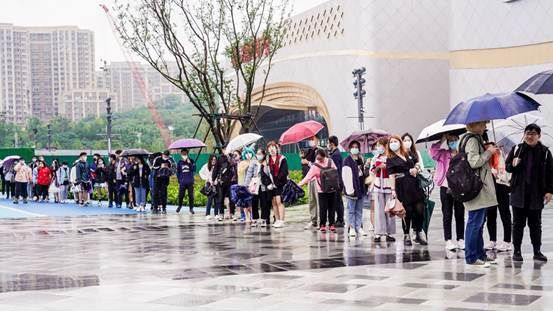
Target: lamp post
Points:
(49, 136)
(359, 94)
(109, 120)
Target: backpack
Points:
(463, 181)
(329, 179)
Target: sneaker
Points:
(262, 223)
(540, 257)
(491, 245)
(254, 223)
(192, 211)
(490, 260)
(234, 218)
(480, 263)
(219, 218)
(419, 239)
(450, 246)
(279, 224)
(407, 240)
(517, 256)
(24, 201)
(376, 238)
(178, 209)
(208, 217)
(308, 226)
(390, 238)
(332, 228)
(322, 229)
(461, 244)
(352, 232)
(362, 232)
(339, 224)
(504, 246)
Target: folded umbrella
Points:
(541, 83)
(135, 153)
(491, 107)
(436, 130)
(291, 192)
(240, 196)
(242, 141)
(300, 131)
(188, 143)
(366, 139)
(428, 210)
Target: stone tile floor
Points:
(182, 262)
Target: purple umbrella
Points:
(366, 138)
(187, 143)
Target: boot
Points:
(539, 256)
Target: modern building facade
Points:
(84, 103)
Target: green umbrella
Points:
(428, 209)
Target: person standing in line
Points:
(99, 178)
(248, 153)
(62, 176)
(405, 187)
(442, 152)
(222, 176)
(23, 175)
(120, 179)
(54, 185)
(279, 173)
(31, 185)
(312, 194)
(205, 174)
(9, 178)
(235, 159)
(336, 156)
(531, 165)
(111, 180)
(385, 224)
(327, 200)
(186, 168)
(44, 178)
(409, 144)
(502, 190)
(138, 177)
(478, 157)
(258, 178)
(2, 180)
(353, 181)
(83, 179)
(163, 175)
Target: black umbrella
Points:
(135, 153)
(541, 83)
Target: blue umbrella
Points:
(491, 107)
(541, 83)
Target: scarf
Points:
(275, 165)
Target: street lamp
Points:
(359, 93)
(109, 119)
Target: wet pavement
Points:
(183, 262)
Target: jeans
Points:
(152, 182)
(414, 216)
(140, 193)
(503, 203)
(451, 207)
(63, 192)
(313, 202)
(355, 213)
(119, 193)
(520, 217)
(182, 190)
(20, 190)
(327, 208)
(474, 236)
(210, 200)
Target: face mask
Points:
(394, 146)
(249, 156)
(259, 157)
(354, 151)
(319, 159)
(312, 143)
(272, 151)
(453, 145)
(379, 150)
(408, 144)
(184, 157)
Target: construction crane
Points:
(137, 76)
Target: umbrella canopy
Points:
(8, 161)
(135, 153)
(541, 83)
(436, 130)
(188, 143)
(491, 107)
(242, 141)
(366, 138)
(300, 131)
(510, 132)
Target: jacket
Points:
(442, 156)
(185, 171)
(280, 178)
(206, 173)
(62, 174)
(223, 171)
(110, 174)
(136, 179)
(351, 178)
(100, 174)
(23, 173)
(544, 179)
(315, 173)
(44, 177)
(83, 172)
(478, 159)
(254, 170)
(336, 157)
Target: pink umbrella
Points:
(188, 143)
(366, 139)
(300, 131)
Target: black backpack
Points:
(463, 181)
(330, 181)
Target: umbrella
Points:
(187, 143)
(242, 141)
(291, 192)
(491, 107)
(8, 161)
(541, 83)
(428, 210)
(366, 138)
(135, 153)
(300, 131)
(436, 130)
(510, 132)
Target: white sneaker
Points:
(308, 226)
(461, 244)
(254, 223)
(352, 233)
(262, 223)
(481, 263)
(450, 246)
(208, 217)
(371, 228)
(504, 246)
(279, 224)
(491, 245)
(362, 232)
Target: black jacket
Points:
(110, 174)
(134, 176)
(543, 178)
(223, 171)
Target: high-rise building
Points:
(83, 103)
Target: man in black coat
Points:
(222, 175)
(336, 156)
(531, 165)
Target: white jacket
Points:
(205, 173)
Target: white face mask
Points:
(312, 143)
(379, 150)
(272, 150)
(394, 146)
(354, 151)
(407, 144)
(259, 157)
(184, 157)
(248, 156)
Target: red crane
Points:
(160, 124)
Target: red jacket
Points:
(44, 176)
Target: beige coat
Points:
(22, 173)
(480, 158)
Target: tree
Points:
(196, 44)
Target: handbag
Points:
(208, 190)
(370, 179)
(395, 208)
(254, 185)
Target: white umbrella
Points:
(436, 130)
(510, 132)
(242, 141)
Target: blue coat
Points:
(185, 172)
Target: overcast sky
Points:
(85, 14)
